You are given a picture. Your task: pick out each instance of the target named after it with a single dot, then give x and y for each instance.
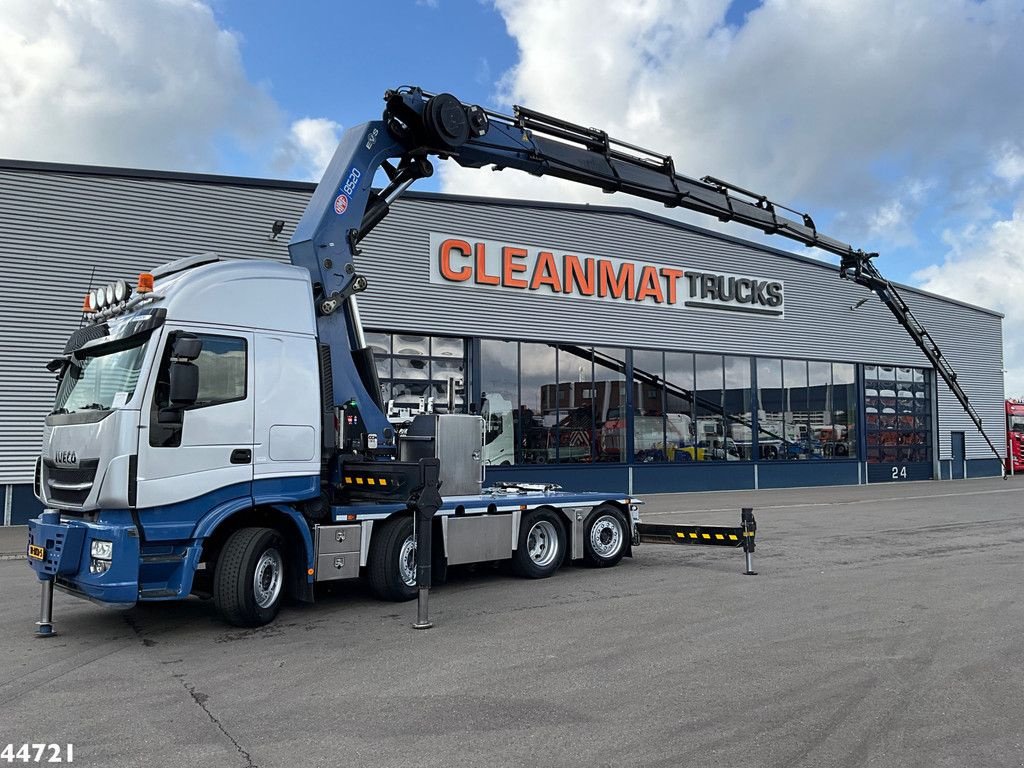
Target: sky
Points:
(898, 125)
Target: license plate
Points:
(36, 553)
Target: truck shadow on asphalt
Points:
(336, 603)
(468, 589)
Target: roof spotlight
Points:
(94, 300)
(101, 298)
(109, 292)
(120, 291)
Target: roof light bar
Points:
(108, 299)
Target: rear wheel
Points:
(392, 566)
(541, 546)
(604, 537)
(249, 581)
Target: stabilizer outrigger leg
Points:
(425, 501)
(45, 556)
(44, 627)
(749, 525)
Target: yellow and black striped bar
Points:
(368, 480)
(375, 481)
(714, 535)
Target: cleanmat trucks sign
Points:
(494, 265)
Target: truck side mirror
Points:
(184, 387)
(186, 346)
(183, 391)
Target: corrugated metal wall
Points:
(58, 229)
(61, 224)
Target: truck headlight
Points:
(102, 550)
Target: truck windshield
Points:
(102, 381)
(102, 376)
(1017, 423)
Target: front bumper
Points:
(59, 550)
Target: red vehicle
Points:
(1015, 436)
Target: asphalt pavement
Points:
(13, 540)
(884, 630)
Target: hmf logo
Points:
(347, 189)
(66, 458)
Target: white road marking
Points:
(840, 503)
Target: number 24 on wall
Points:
(899, 473)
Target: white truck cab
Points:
(256, 415)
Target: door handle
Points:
(241, 456)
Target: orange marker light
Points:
(145, 283)
(309, 572)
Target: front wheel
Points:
(604, 537)
(249, 581)
(392, 566)
(541, 546)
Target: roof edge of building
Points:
(307, 186)
(157, 175)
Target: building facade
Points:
(605, 348)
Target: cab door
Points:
(202, 452)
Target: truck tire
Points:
(392, 566)
(248, 584)
(541, 546)
(605, 536)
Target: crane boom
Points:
(417, 125)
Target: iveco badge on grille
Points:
(66, 458)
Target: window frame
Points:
(172, 432)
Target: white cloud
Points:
(308, 148)
(889, 217)
(1009, 163)
(150, 84)
(807, 102)
(985, 266)
(892, 220)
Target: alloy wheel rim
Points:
(407, 561)
(606, 536)
(542, 543)
(267, 578)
